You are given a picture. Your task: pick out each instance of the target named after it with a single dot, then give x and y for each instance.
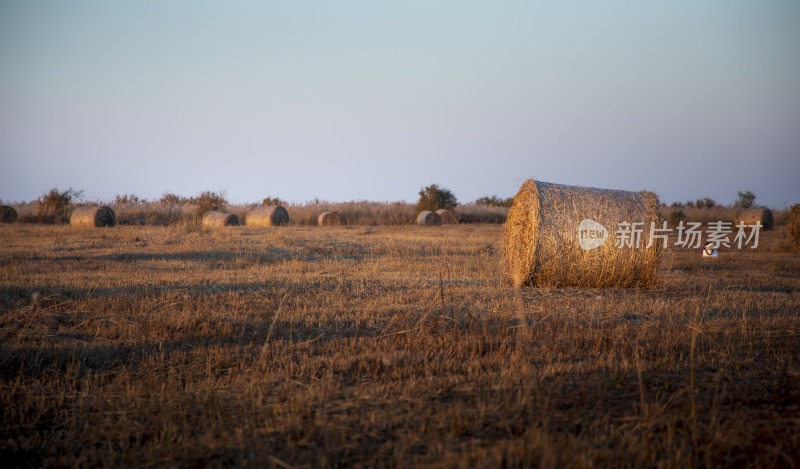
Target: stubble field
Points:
(384, 346)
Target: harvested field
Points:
(385, 346)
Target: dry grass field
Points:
(150, 346)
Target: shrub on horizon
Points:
(433, 198)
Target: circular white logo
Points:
(591, 234)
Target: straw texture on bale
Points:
(793, 227)
(215, 219)
(752, 215)
(541, 240)
(8, 214)
(94, 216)
(267, 216)
(328, 219)
(447, 216)
(428, 218)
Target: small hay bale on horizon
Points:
(99, 216)
(8, 214)
(750, 216)
(793, 228)
(274, 215)
(428, 218)
(214, 219)
(329, 219)
(542, 243)
(447, 216)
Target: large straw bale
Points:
(752, 215)
(267, 216)
(328, 219)
(214, 219)
(93, 216)
(428, 218)
(542, 241)
(447, 216)
(8, 214)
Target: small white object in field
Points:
(710, 251)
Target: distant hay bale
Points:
(752, 215)
(428, 218)
(793, 227)
(93, 216)
(267, 216)
(447, 216)
(8, 214)
(215, 219)
(328, 219)
(543, 241)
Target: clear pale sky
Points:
(372, 100)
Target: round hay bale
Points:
(93, 216)
(752, 215)
(215, 219)
(267, 216)
(329, 219)
(447, 216)
(8, 214)
(560, 236)
(428, 218)
(793, 227)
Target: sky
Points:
(366, 100)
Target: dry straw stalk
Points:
(8, 214)
(328, 219)
(752, 215)
(93, 216)
(447, 216)
(267, 216)
(428, 218)
(215, 219)
(541, 237)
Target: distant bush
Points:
(208, 201)
(746, 200)
(55, 205)
(170, 199)
(676, 216)
(495, 201)
(272, 201)
(126, 199)
(433, 198)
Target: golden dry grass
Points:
(384, 346)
